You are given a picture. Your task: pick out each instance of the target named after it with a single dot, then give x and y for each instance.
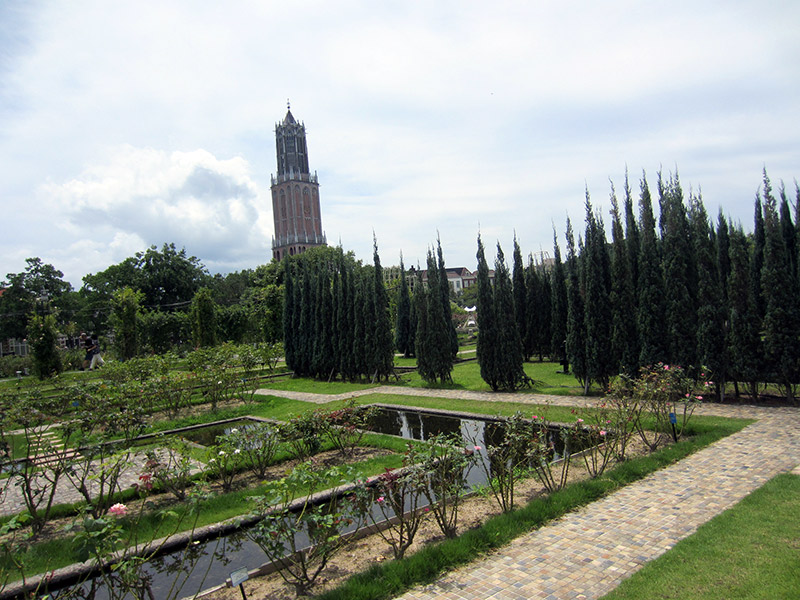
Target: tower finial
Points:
(288, 106)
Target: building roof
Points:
(289, 118)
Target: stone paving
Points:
(587, 553)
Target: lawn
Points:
(749, 552)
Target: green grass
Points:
(392, 578)
(749, 551)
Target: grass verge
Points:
(750, 551)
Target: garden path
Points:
(587, 553)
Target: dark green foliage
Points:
(204, 319)
(403, 339)
(576, 322)
(444, 288)
(39, 287)
(508, 372)
(779, 289)
(600, 363)
(538, 332)
(43, 338)
(624, 337)
(679, 274)
(711, 313)
(324, 359)
(650, 304)
(744, 339)
(757, 255)
(164, 330)
(383, 346)
(434, 358)
(290, 316)
(723, 255)
(486, 349)
(124, 320)
(521, 299)
(558, 305)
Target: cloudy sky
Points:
(126, 124)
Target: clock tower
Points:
(295, 193)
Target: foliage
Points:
(399, 493)
(9, 365)
(324, 523)
(258, 445)
(225, 459)
(39, 286)
(551, 468)
(446, 465)
(345, 427)
(433, 351)
(43, 338)
(124, 319)
(303, 433)
(664, 393)
(508, 453)
(169, 466)
(403, 340)
(204, 319)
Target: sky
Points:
(130, 124)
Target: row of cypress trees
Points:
(424, 325)
(336, 318)
(683, 291)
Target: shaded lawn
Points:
(750, 551)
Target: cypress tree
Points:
(403, 339)
(558, 305)
(624, 337)
(544, 296)
(370, 362)
(382, 333)
(600, 366)
(744, 337)
(359, 324)
(678, 274)
(779, 289)
(416, 298)
(723, 256)
(434, 356)
(530, 342)
(757, 256)
(324, 356)
(650, 307)
(444, 286)
(711, 348)
(788, 232)
(346, 321)
(487, 335)
(520, 296)
(576, 322)
(632, 243)
(289, 317)
(305, 339)
(509, 373)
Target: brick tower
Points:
(295, 193)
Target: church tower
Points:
(295, 193)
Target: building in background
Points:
(295, 193)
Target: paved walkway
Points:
(586, 554)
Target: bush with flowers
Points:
(224, 460)
(664, 393)
(399, 494)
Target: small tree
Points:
(124, 318)
(204, 319)
(43, 338)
